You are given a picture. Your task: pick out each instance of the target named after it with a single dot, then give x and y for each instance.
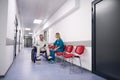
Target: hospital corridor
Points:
(59, 40)
(24, 69)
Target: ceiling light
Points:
(37, 21)
(30, 33)
(25, 35)
(45, 20)
(27, 29)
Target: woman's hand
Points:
(56, 48)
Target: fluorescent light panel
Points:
(26, 35)
(27, 29)
(37, 21)
(30, 33)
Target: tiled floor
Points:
(24, 69)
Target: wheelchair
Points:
(34, 55)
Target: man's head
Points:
(41, 37)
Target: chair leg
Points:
(63, 61)
(56, 59)
(80, 64)
(72, 62)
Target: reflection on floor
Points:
(24, 69)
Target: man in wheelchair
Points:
(42, 47)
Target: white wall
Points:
(3, 27)
(10, 32)
(11, 27)
(76, 27)
(7, 32)
(70, 4)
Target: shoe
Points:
(49, 61)
(49, 57)
(52, 61)
(38, 59)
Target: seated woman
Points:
(59, 47)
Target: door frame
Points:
(19, 41)
(94, 42)
(15, 37)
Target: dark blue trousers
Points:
(52, 53)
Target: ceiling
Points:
(29, 10)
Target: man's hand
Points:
(55, 49)
(51, 44)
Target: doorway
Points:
(19, 41)
(106, 38)
(45, 36)
(27, 41)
